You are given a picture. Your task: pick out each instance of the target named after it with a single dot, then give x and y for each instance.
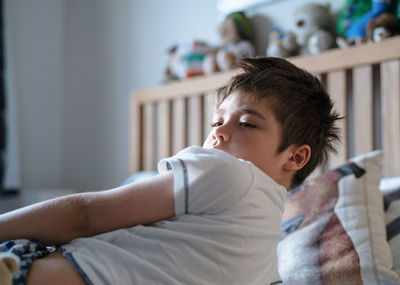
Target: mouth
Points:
(218, 147)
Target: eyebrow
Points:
(252, 112)
(244, 110)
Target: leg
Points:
(53, 269)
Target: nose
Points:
(300, 23)
(221, 134)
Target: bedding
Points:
(390, 188)
(19, 254)
(334, 229)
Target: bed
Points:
(364, 82)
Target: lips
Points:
(219, 147)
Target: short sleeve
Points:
(207, 181)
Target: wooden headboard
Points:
(363, 81)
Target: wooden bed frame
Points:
(363, 81)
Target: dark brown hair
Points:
(300, 103)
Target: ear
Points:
(298, 157)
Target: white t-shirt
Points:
(225, 231)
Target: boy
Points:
(213, 213)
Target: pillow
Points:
(390, 188)
(334, 229)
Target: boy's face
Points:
(248, 130)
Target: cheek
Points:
(249, 149)
(258, 151)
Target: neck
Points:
(285, 179)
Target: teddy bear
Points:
(9, 264)
(313, 28)
(359, 18)
(311, 34)
(236, 35)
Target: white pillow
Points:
(390, 188)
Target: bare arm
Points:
(60, 220)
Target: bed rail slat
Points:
(164, 130)
(136, 128)
(179, 124)
(149, 137)
(390, 92)
(337, 87)
(363, 124)
(195, 120)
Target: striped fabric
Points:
(334, 228)
(390, 188)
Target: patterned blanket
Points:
(17, 256)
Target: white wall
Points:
(76, 62)
(12, 175)
(97, 79)
(37, 58)
(112, 48)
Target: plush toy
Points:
(311, 33)
(236, 36)
(358, 19)
(9, 264)
(170, 70)
(186, 60)
(350, 12)
(382, 27)
(281, 44)
(313, 28)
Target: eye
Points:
(216, 124)
(246, 125)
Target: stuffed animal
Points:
(355, 17)
(174, 57)
(9, 264)
(381, 28)
(281, 44)
(350, 12)
(236, 36)
(313, 28)
(186, 60)
(311, 33)
(384, 26)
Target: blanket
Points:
(16, 257)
